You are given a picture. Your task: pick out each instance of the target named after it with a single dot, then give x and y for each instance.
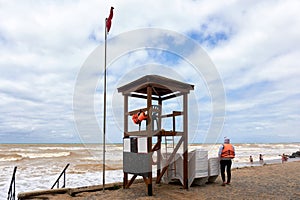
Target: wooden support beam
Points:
(171, 133)
(185, 142)
(149, 135)
(150, 190)
(157, 146)
(125, 177)
(166, 97)
(125, 111)
(136, 111)
(146, 180)
(158, 157)
(174, 113)
(130, 182)
(158, 179)
(173, 122)
(159, 137)
(137, 133)
(143, 96)
(156, 133)
(125, 180)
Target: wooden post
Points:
(159, 139)
(185, 142)
(125, 115)
(149, 136)
(125, 178)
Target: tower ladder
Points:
(170, 145)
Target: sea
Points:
(39, 165)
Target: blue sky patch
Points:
(212, 39)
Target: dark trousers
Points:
(225, 164)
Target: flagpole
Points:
(104, 107)
(107, 27)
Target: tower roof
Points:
(161, 86)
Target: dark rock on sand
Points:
(294, 155)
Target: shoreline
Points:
(266, 162)
(276, 180)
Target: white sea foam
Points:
(7, 159)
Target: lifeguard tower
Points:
(139, 145)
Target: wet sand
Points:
(276, 181)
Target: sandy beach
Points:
(276, 181)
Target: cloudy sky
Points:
(45, 46)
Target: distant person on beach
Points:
(284, 158)
(251, 160)
(261, 159)
(226, 154)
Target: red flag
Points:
(108, 20)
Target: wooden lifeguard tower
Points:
(140, 145)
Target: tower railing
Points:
(12, 188)
(63, 173)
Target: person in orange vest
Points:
(226, 154)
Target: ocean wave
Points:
(62, 148)
(44, 155)
(20, 150)
(10, 157)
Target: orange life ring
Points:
(139, 117)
